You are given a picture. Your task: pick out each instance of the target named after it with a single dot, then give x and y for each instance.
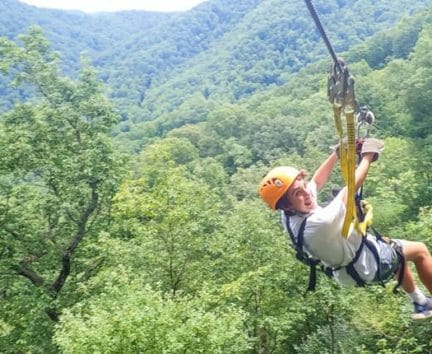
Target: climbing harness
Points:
(363, 225)
(382, 275)
(303, 256)
(340, 92)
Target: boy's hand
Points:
(371, 145)
(336, 148)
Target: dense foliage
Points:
(130, 221)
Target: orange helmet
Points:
(275, 184)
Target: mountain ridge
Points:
(153, 62)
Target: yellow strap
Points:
(351, 166)
(348, 161)
(340, 91)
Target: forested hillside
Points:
(130, 221)
(147, 57)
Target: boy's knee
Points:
(415, 251)
(422, 250)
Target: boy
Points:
(357, 259)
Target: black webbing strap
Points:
(302, 255)
(312, 263)
(374, 251)
(402, 263)
(394, 245)
(350, 266)
(400, 255)
(298, 243)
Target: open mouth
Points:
(309, 203)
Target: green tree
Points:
(420, 85)
(146, 321)
(169, 212)
(393, 188)
(58, 174)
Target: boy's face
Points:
(300, 198)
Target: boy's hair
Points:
(282, 203)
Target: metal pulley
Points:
(365, 119)
(340, 86)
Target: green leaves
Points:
(131, 318)
(421, 85)
(58, 174)
(178, 254)
(172, 219)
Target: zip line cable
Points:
(340, 91)
(320, 27)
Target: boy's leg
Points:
(408, 283)
(417, 253)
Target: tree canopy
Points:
(130, 220)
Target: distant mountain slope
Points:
(221, 49)
(73, 32)
(271, 42)
(148, 59)
(257, 47)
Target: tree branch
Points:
(30, 274)
(82, 223)
(52, 314)
(54, 188)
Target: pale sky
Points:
(116, 5)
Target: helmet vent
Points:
(277, 182)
